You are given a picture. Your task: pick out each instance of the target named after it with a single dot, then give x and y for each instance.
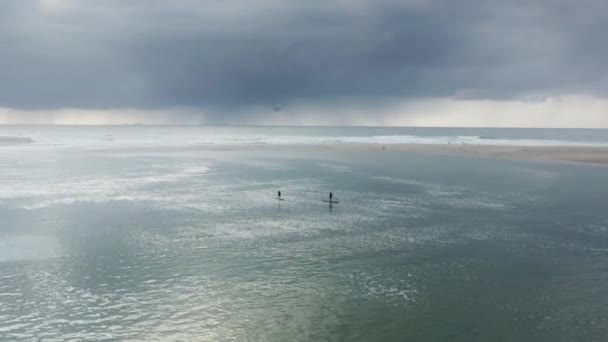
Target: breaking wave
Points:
(177, 136)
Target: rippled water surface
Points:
(191, 246)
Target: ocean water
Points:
(128, 244)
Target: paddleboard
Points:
(328, 201)
(280, 199)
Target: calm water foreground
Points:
(191, 246)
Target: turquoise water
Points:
(116, 245)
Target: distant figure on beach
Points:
(279, 194)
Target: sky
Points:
(290, 62)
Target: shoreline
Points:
(574, 154)
(577, 154)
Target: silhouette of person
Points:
(279, 194)
(331, 196)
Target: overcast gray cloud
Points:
(227, 56)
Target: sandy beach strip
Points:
(578, 154)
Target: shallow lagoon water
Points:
(191, 246)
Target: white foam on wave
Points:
(167, 137)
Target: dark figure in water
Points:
(331, 196)
(279, 194)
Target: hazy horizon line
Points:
(298, 126)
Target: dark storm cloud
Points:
(233, 54)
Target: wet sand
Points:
(579, 154)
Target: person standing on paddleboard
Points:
(279, 194)
(331, 196)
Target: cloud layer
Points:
(234, 57)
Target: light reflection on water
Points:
(159, 247)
